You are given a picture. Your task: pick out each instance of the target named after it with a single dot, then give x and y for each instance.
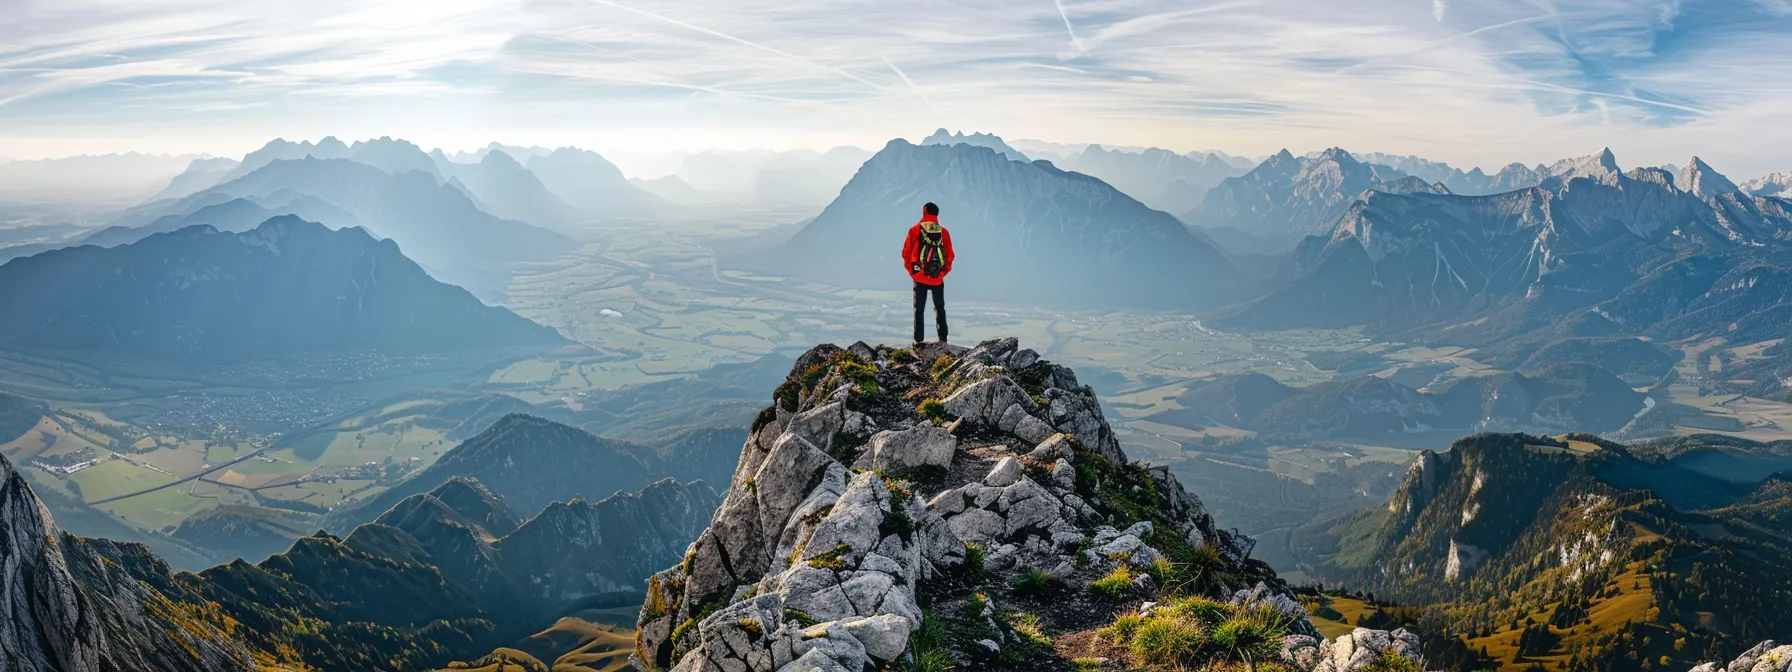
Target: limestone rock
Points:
(1053, 448)
(985, 401)
(1006, 472)
(1287, 607)
(1746, 661)
(1079, 415)
(1022, 359)
(815, 660)
(735, 638)
(921, 446)
(977, 526)
(884, 636)
(1766, 656)
(1359, 649)
(1300, 651)
(993, 352)
(864, 352)
(1063, 475)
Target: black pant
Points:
(939, 309)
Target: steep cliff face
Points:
(71, 606)
(884, 480)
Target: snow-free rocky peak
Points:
(1601, 167)
(1700, 180)
(887, 487)
(990, 140)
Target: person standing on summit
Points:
(927, 254)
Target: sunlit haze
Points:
(1484, 82)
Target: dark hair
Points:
(931, 209)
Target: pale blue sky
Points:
(1466, 81)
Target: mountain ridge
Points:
(1076, 239)
(1551, 546)
(198, 293)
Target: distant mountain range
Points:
(547, 188)
(948, 138)
(1286, 198)
(670, 187)
(803, 179)
(1024, 232)
(1589, 238)
(199, 175)
(107, 180)
(219, 211)
(396, 156)
(235, 215)
(436, 224)
(1774, 184)
(503, 187)
(1159, 178)
(286, 287)
(1472, 183)
(592, 184)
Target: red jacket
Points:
(911, 255)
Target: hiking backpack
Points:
(933, 253)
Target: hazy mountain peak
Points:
(593, 163)
(1772, 184)
(1042, 220)
(1699, 179)
(201, 294)
(284, 226)
(1601, 167)
(989, 140)
(588, 181)
(331, 144)
(498, 159)
(1337, 154)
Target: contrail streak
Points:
(911, 85)
(748, 43)
(664, 83)
(1452, 38)
(1074, 41)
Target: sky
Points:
(1470, 82)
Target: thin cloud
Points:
(912, 87)
(731, 38)
(1068, 28)
(1645, 76)
(1454, 38)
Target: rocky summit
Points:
(943, 506)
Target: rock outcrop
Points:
(1362, 649)
(881, 477)
(71, 604)
(1768, 656)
